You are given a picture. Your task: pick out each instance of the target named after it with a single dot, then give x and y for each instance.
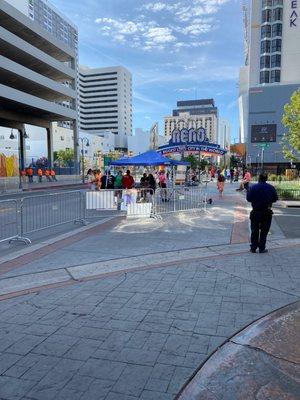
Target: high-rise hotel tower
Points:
(270, 75)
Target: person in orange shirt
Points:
(47, 174)
(98, 176)
(40, 174)
(29, 173)
(53, 175)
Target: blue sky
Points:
(176, 50)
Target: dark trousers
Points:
(260, 225)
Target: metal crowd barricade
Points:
(179, 199)
(46, 211)
(9, 220)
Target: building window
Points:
(277, 30)
(266, 3)
(277, 14)
(266, 16)
(264, 77)
(275, 75)
(265, 31)
(276, 45)
(276, 61)
(264, 62)
(277, 3)
(265, 46)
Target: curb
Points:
(181, 394)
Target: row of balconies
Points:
(37, 72)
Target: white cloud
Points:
(186, 23)
(159, 35)
(159, 6)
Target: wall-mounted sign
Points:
(263, 133)
(190, 140)
(294, 13)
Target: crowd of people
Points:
(231, 175)
(96, 180)
(30, 173)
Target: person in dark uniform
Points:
(262, 196)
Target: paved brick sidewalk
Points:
(139, 335)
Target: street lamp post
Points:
(12, 137)
(84, 142)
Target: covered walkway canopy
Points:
(149, 158)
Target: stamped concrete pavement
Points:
(138, 333)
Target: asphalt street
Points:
(288, 220)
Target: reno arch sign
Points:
(294, 13)
(191, 140)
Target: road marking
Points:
(286, 215)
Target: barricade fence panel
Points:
(45, 211)
(9, 219)
(114, 202)
(179, 199)
(35, 213)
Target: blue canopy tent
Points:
(150, 158)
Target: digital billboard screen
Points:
(263, 133)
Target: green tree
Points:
(193, 160)
(64, 157)
(234, 161)
(291, 120)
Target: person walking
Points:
(53, 175)
(221, 184)
(40, 174)
(261, 195)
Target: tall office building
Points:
(224, 134)
(194, 114)
(35, 67)
(270, 75)
(106, 102)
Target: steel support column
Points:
(50, 146)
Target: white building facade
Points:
(194, 114)
(106, 102)
(270, 78)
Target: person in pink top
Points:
(247, 180)
(162, 182)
